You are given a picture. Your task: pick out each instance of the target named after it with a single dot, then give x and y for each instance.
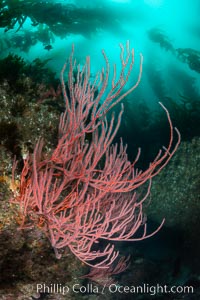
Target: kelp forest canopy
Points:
(53, 18)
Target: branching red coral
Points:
(85, 191)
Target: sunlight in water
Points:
(154, 2)
(121, 1)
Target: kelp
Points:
(189, 56)
(62, 19)
(186, 55)
(14, 68)
(158, 36)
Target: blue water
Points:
(105, 24)
(165, 32)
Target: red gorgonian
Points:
(85, 190)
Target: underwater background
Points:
(36, 38)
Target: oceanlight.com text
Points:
(57, 288)
(150, 289)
